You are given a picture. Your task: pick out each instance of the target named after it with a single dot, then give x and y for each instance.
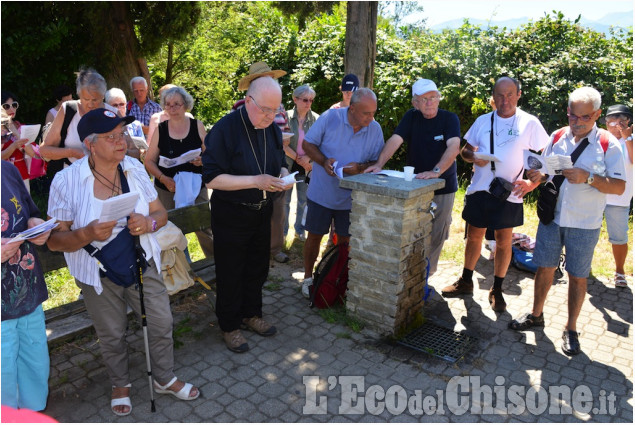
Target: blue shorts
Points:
(579, 245)
(319, 218)
(617, 224)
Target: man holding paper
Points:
(494, 198)
(351, 138)
(78, 194)
(598, 170)
(433, 138)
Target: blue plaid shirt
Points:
(143, 115)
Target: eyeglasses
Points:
(428, 99)
(615, 119)
(305, 100)
(265, 110)
(173, 105)
(114, 137)
(7, 106)
(118, 105)
(585, 118)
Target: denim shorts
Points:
(579, 245)
(617, 224)
(319, 218)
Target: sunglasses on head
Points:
(7, 106)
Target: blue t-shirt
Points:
(426, 141)
(23, 286)
(335, 138)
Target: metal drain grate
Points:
(439, 342)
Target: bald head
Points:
(507, 80)
(263, 99)
(263, 85)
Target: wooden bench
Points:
(71, 320)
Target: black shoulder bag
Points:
(499, 187)
(548, 193)
(56, 165)
(118, 257)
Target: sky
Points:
(438, 11)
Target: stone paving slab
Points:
(360, 377)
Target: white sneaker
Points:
(307, 283)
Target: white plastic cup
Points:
(409, 173)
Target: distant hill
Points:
(616, 19)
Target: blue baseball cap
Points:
(350, 82)
(100, 121)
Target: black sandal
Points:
(527, 321)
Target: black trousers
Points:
(242, 239)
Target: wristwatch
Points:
(590, 179)
(629, 139)
(436, 170)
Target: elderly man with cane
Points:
(103, 259)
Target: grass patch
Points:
(603, 265)
(271, 287)
(338, 314)
(181, 329)
(194, 248)
(61, 287)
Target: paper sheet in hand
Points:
(286, 135)
(139, 142)
(552, 165)
(118, 207)
(29, 132)
(290, 178)
(173, 162)
(35, 230)
(486, 156)
(392, 173)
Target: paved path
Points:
(266, 383)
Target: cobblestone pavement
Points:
(266, 384)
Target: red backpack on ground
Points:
(330, 278)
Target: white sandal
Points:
(620, 280)
(123, 401)
(182, 394)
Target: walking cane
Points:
(144, 322)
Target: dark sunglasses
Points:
(305, 100)
(7, 106)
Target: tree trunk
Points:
(169, 68)
(120, 61)
(361, 41)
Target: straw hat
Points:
(256, 70)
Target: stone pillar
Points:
(390, 235)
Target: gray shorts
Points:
(579, 245)
(617, 224)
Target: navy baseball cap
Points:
(350, 82)
(100, 121)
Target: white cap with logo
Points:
(423, 86)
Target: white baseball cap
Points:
(423, 86)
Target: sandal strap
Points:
(166, 386)
(123, 401)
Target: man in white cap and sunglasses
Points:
(433, 139)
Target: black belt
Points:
(257, 206)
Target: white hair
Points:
(263, 83)
(586, 95)
(91, 80)
(115, 93)
(302, 90)
(361, 93)
(188, 100)
(136, 80)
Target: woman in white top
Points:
(77, 195)
(91, 87)
(61, 94)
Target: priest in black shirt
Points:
(242, 161)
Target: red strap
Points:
(558, 134)
(604, 139)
